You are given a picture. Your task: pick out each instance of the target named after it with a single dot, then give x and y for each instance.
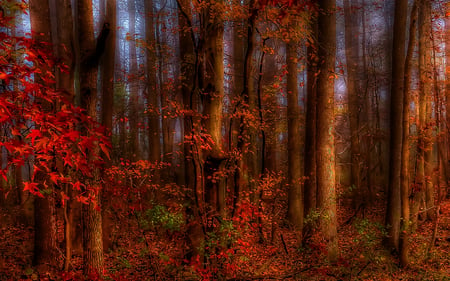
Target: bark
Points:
(310, 186)
(239, 39)
(133, 85)
(93, 262)
(393, 213)
(107, 68)
(151, 89)
(44, 213)
(295, 195)
(247, 141)
(326, 182)
(424, 97)
(404, 175)
(189, 55)
(447, 94)
(213, 91)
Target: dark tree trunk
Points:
(393, 213)
(44, 213)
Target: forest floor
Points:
(362, 255)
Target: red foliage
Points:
(39, 123)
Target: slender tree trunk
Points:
(326, 182)
(152, 93)
(354, 107)
(107, 68)
(404, 175)
(295, 195)
(247, 141)
(133, 85)
(44, 213)
(310, 186)
(393, 213)
(239, 37)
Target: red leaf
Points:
(33, 135)
(105, 150)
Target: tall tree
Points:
(405, 174)
(310, 186)
(393, 213)
(295, 196)
(107, 69)
(133, 84)
(151, 87)
(45, 213)
(212, 86)
(190, 57)
(65, 81)
(351, 57)
(426, 83)
(247, 141)
(90, 54)
(326, 182)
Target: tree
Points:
(393, 214)
(295, 196)
(107, 69)
(45, 213)
(90, 56)
(326, 182)
(351, 57)
(405, 174)
(151, 87)
(310, 186)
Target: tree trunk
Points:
(393, 213)
(133, 85)
(247, 141)
(447, 93)
(151, 89)
(44, 213)
(107, 68)
(295, 195)
(354, 101)
(404, 175)
(92, 221)
(189, 54)
(326, 182)
(310, 186)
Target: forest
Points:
(224, 140)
